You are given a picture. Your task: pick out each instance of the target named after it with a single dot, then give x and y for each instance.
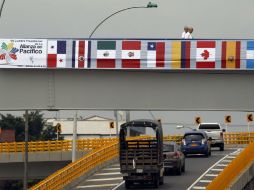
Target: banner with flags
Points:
(250, 55)
(81, 54)
(18, 53)
(230, 55)
(106, 54)
(155, 54)
(180, 54)
(131, 53)
(205, 54)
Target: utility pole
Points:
(74, 137)
(26, 152)
(116, 118)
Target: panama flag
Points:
(155, 54)
(250, 55)
(81, 51)
(56, 54)
(131, 54)
(106, 54)
(205, 56)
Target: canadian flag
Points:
(205, 57)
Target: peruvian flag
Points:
(155, 54)
(205, 57)
(131, 54)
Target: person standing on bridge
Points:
(188, 34)
(185, 32)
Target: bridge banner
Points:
(23, 53)
(125, 54)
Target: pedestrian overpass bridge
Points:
(96, 153)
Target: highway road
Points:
(110, 178)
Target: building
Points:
(91, 127)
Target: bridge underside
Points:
(126, 90)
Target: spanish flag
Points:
(230, 55)
(180, 54)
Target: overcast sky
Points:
(77, 18)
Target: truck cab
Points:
(214, 132)
(141, 157)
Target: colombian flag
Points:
(230, 55)
(180, 54)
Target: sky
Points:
(78, 18)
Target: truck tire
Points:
(207, 153)
(127, 184)
(183, 167)
(179, 170)
(222, 147)
(156, 183)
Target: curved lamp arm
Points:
(1, 9)
(149, 5)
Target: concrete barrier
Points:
(243, 178)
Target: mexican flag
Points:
(106, 54)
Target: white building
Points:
(91, 127)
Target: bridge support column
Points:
(74, 137)
(26, 152)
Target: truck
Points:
(141, 157)
(214, 132)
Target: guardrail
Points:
(76, 169)
(64, 145)
(233, 170)
(88, 144)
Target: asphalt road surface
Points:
(110, 177)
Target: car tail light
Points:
(221, 135)
(176, 155)
(183, 142)
(204, 141)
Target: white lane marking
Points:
(105, 179)
(215, 169)
(226, 161)
(199, 187)
(120, 184)
(222, 165)
(192, 185)
(233, 157)
(89, 186)
(205, 181)
(212, 175)
(110, 173)
(112, 169)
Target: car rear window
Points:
(209, 126)
(168, 148)
(193, 137)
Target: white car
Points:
(215, 132)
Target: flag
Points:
(205, 55)
(56, 54)
(250, 55)
(230, 55)
(155, 54)
(131, 54)
(106, 54)
(81, 51)
(180, 54)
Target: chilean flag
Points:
(205, 57)
(131, 54)
(155, 54)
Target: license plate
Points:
(139, 170)
(194, 145)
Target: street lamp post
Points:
(1, 9)
(149, 5)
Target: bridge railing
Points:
(233, 170)
(88, 144)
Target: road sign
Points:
(58, 128)
(228, 119)
(111, 125)
(249, 117)
(197, 120)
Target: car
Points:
(215, 132)
(196, 142)
(174, 159)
